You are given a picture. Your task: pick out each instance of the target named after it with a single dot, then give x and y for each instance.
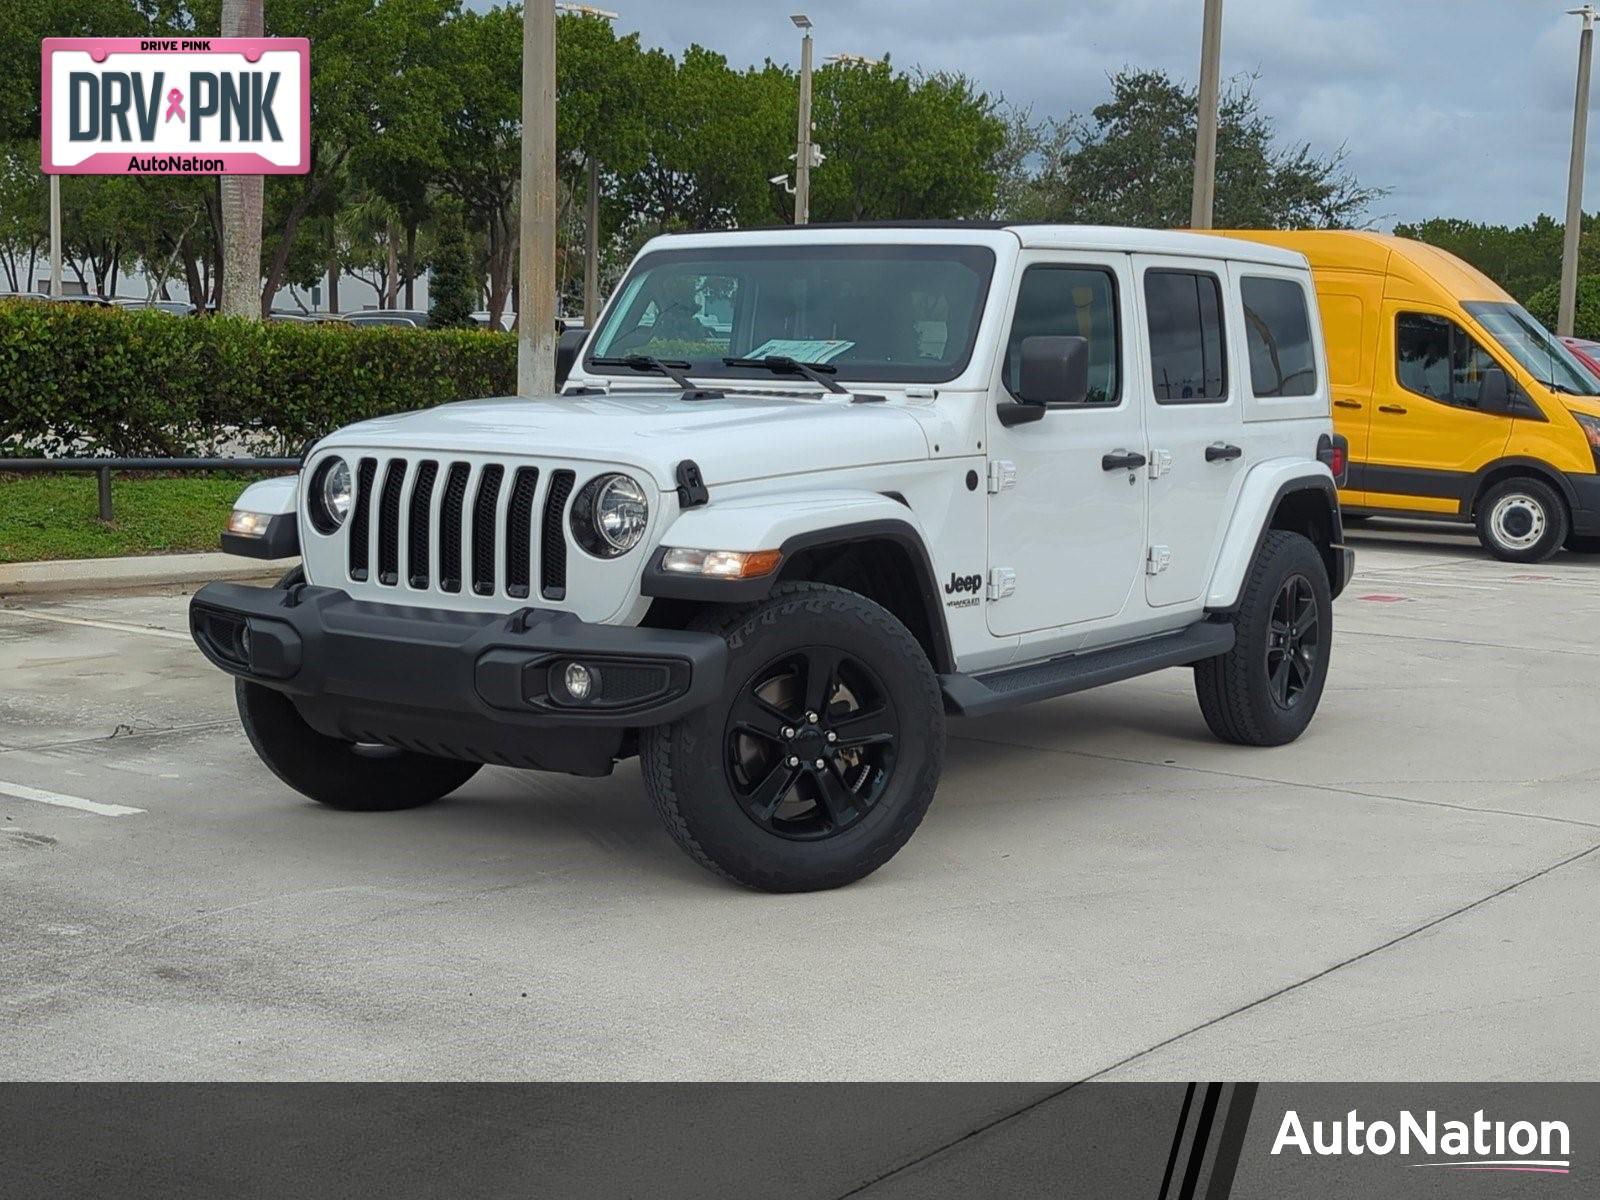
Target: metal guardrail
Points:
(104, 468)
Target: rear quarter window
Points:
(1277, 326)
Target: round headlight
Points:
(331, 492)
(609, 515)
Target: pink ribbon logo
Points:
(175, 105)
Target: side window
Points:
(1438, 359)
(1071, 302)
(1186, 358)
(1277, 326)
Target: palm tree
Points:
(242, 199)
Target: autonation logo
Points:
(1476, 1145)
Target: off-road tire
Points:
(337, 773)
(685, 763)
(1520, 499)
(1234, 689)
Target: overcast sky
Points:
(1461, 107)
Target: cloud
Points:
(1461, 107)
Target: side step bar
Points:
(1010, 687)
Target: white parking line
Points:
(19, 792)
(118, 626)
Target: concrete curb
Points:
(118, 574)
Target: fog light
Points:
(244, 641)
(578, 681)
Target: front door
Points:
(1427, 436)
(1067, 492)
(1198, 448)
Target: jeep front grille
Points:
(446, 526)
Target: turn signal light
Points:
(721, 564)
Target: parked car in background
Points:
(507, 320)
(23, 296)
(177, 308)
(412, 318)
(92, 301)
(1585, 351)
(1458, 404)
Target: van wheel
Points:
(1521, 520)
(1265, 690)
(820, 758)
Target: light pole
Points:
(536, 310)
(1567, 310)
(802, 151)
(1205, 142)
(591, 216)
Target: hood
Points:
(745, 435)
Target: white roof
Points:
(1111, 238)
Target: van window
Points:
(1277, 328)
(1069, 302)
(1438, 359)
(1186, 357)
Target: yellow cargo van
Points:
(1457, 404)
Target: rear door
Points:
(1194, 417)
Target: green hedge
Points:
(86, 380)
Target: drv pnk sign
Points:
(177, 106)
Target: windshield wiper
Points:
(673, 369)
(782, 364)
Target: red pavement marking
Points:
(1384, 598)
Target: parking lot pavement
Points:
(1408, 892)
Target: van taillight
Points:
(1334, 453)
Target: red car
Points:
(1586, 352)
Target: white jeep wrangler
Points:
(806, 493)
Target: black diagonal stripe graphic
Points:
(1177, 1140)
(1240, 1106)
(1202, 1135)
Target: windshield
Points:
(1535, 347)
(871, 312)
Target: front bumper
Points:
(480, 686)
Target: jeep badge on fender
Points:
(526, 582)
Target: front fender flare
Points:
(791, 523)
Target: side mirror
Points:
(1494, 392)
(1055, 370)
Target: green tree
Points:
(1544, 304)
(1131, 162)
(903, 146)
(452, 283)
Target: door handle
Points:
(1121, 460)
(1221, 452)
(1390, 408)
(1347, 404)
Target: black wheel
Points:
(337, 773)
(1265, 690)
(1521, 520)
(821, 757)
